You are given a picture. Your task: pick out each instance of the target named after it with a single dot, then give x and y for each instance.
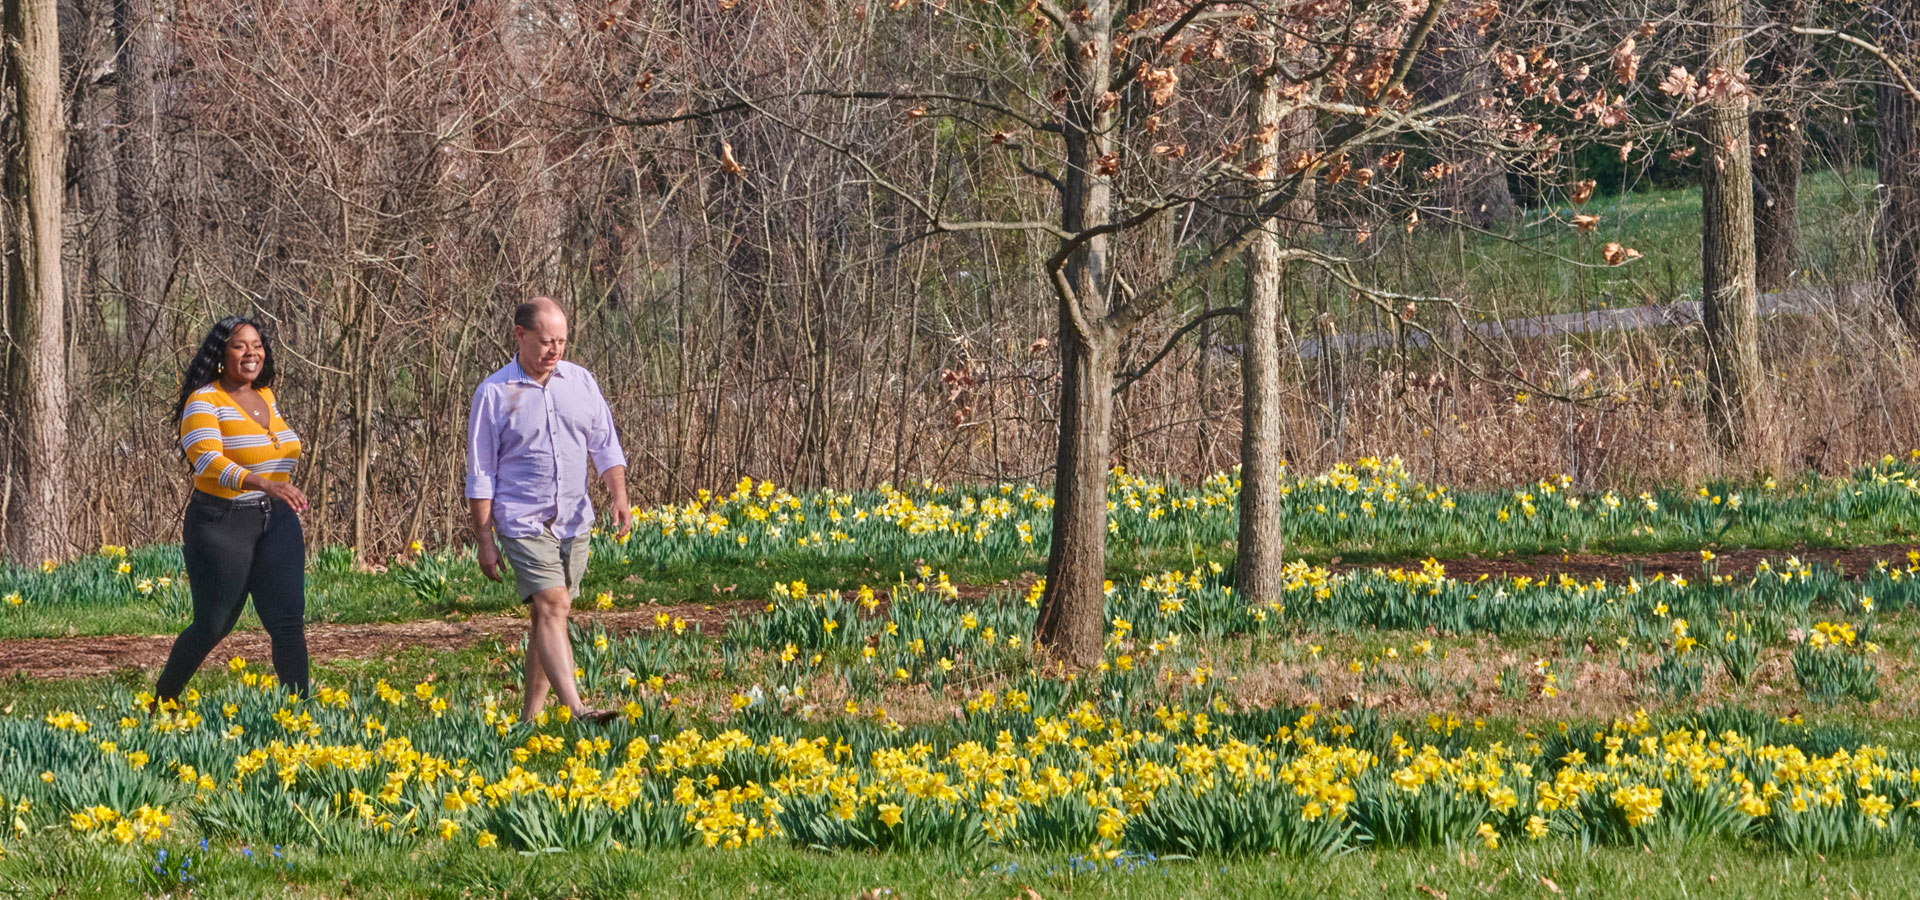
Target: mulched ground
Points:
(80, 657)
(1588, 566)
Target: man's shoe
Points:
(597, 716)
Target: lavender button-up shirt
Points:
(528, 446)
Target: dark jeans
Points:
(233, 549)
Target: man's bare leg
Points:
(534, 692)
(547, 640)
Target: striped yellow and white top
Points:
(224, 443)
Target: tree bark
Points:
(1261, 547)
(143, 264)
(36, 349)
(1455, 65)
(1897, 233)
(1780, 151)
(1737, 390)
(1072, 617)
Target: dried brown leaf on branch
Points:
(1582, 191)
(1615, 254)
(1585, 222)
(1159, 83)
(1679, 83)
(1511, 64)
(728, 164)
(1626, 62)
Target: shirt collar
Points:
(520, 374)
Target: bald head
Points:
(540, 335)
(526, 313)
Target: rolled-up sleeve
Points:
(483, 444)
(603, 444)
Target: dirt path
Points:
(81, 657)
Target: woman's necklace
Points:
(264, 415)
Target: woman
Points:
(242, 531)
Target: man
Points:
(534, 426)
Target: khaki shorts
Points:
(543, 561)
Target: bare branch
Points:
(1127, 379)
(1869, 46)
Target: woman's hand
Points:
(285, 492)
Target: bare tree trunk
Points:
(1897, 234)
(36, 349)
(362, 426)
(143, 265)
(1072, 611)
(1737, 390)
(1776, 185)
(1455, 66)
(1780, 152)
(1261, 547)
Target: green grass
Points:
(355, 597)
(45, 868)
(1540, 265)
(360, 597)
(55, 862)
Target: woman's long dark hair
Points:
(205, 365)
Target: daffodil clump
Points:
(1374, 502)
(1371, 501)
(1832, 662)
(349, 769)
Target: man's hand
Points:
(616, 481)
(489, 551)
(490, 558)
